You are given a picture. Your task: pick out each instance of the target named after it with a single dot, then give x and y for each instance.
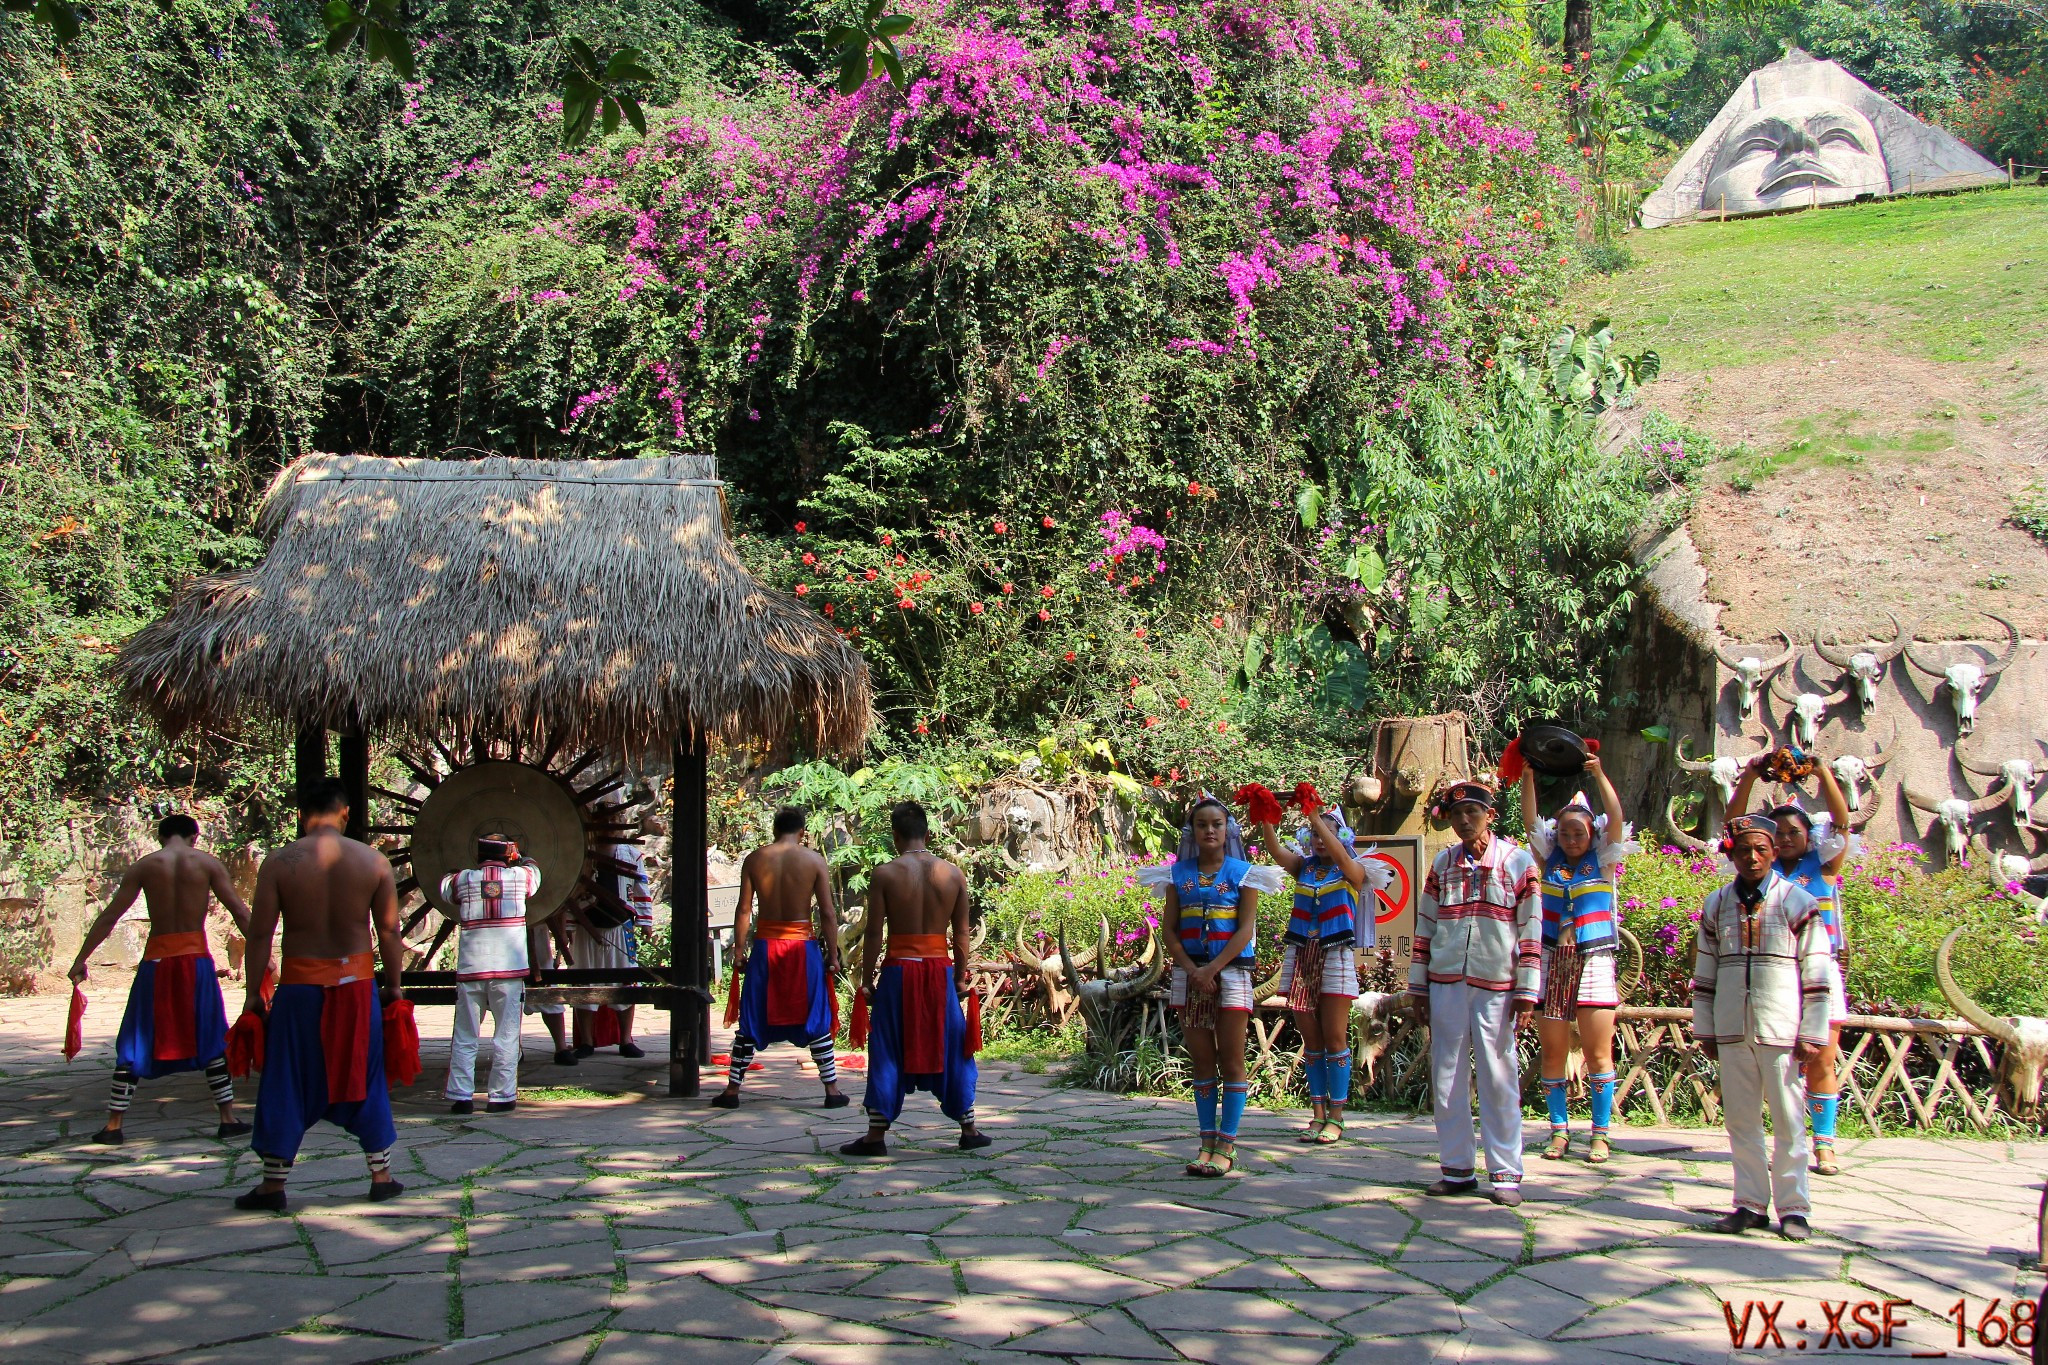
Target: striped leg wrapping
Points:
(825, 1059)
(276, 1168)
(219, 1082)
(123, 1093)
(379, 1161)
(742, 1058)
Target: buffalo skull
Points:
(1059, 1002)
(1965, 681)
(1722, 770)
(1866, 665)
(1954, 815)
(1102, 1000)
(2016, 777)
(2023, 1041)
(1853, 772)
(1373, 1012)
(1750, 670)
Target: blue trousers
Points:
(888, 1083)
(293, 1095)
(135, 1045)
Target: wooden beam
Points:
(689, 1033)
(309, 758)
(353, 761)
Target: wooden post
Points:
(309, 758)
(354, 765)
(689, 1028)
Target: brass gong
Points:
(520, 802)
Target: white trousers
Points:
(474, 1000)
(1467, 1023)
(1752, 1077)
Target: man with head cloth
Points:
(1474, 979)
(1760, 1007)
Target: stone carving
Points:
(1966, 680)
(1802, 132)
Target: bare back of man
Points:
(786, 879)
(328, 891)
(177, 884)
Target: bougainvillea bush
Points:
(1056, 368)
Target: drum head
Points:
(519, 802)
(1553, 750)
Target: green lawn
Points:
(1963, 277)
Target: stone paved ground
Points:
(639, 1229)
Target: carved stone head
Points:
(1799, 150)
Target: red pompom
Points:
(1511, 764)
(1306, 796)
(74, 1027)
(245, 1044)
(732, 998)
(401, 1044)
(1592, 746)
(973, 1022)
(1260, 805)
(857, 1032)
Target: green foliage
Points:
(849, 812)
(867, 47)
(2030, 511)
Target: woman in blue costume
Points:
(1210, 916)
(1578, 852)
(1331, 920)
(1811, 851)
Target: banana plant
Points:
(867, 47)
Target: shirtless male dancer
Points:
(324, 1045)
(918, 1038)
(175, 1020)
(787, 995)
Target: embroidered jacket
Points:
(490, 905)
(1208, 913)
(1578, 898)
(1326, 907)
(1479, 922)
(1761, 976)
(1807, 875)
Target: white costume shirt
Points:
(492, 944)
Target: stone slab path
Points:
(631, 1228)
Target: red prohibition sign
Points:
(1395, 899)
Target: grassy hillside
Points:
(1960, 278)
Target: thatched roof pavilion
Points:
(594, 598)
(590, 603)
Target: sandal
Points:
(1598, 1152)
(1200, 1165)
(1329, 1132)
(1311, 1133)
(1560, 1143)
(1824, 1159)
(1222, 1160)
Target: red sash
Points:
(175, 1026)
(789, 970)
(401, 1043)
(344, 1018)
(604, 1027)
(923, 960)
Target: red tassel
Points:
(973, 1022)
(267, 988)
(245, 1044)
(857, 1033)
(401, 1044)
(1306, 796)
(832, 994)
(1260, 805)
(732, 998)
(1592, 746)
(74, 1027)
(1511, 764)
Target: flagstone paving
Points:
(626, 1227)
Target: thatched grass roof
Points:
(594, 597)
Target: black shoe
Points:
(970, 1142)
(584, 1050)
(228, 1130)
(111, 1137)
(865, 1147)
(501, 1106)
(1793, 1227)
(1739, 1221)
(462, 1107)
(565, 1056)
(1507, 1196)
(1450, 1186)
(837, 1101)
(258, 1200)
(726, 1099)
(632, 1050)
(381, 1190)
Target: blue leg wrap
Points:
(1554, 1100)
(1824, 1109)
(1235, 1093)
(1317, 1073)
(1337, 1070)
(1601, 1083)
(1205, 1106)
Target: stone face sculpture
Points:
(1803, 132)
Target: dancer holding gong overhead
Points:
(1211, 916)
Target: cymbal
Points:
(515, 801)
(1553, 750)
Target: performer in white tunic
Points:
(490, 970)
(612, 946)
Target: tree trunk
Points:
(1578, 51)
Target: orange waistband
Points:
(918, 945)
(328, 971)
(782, 928)
(175, 945)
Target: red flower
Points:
(1194, 489)
(1221, 726)
(1182, 703)
(871, 575)
(1046, 522)
(1422, 65)
(1134, 682)
(1045, 591)
(1070, 656)
(799, 528)
(1216, 621)
(1009, 588)
(888, 540)
(802, 588)
(1173, 773)
(1158, 781)
(1002, 529)
(974, 608)
(907, 605)
(1045, 615)
(922, 729)
(1151, 721)
(849, 578)
(828, 608)
(810, 558)
(1139, 632)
